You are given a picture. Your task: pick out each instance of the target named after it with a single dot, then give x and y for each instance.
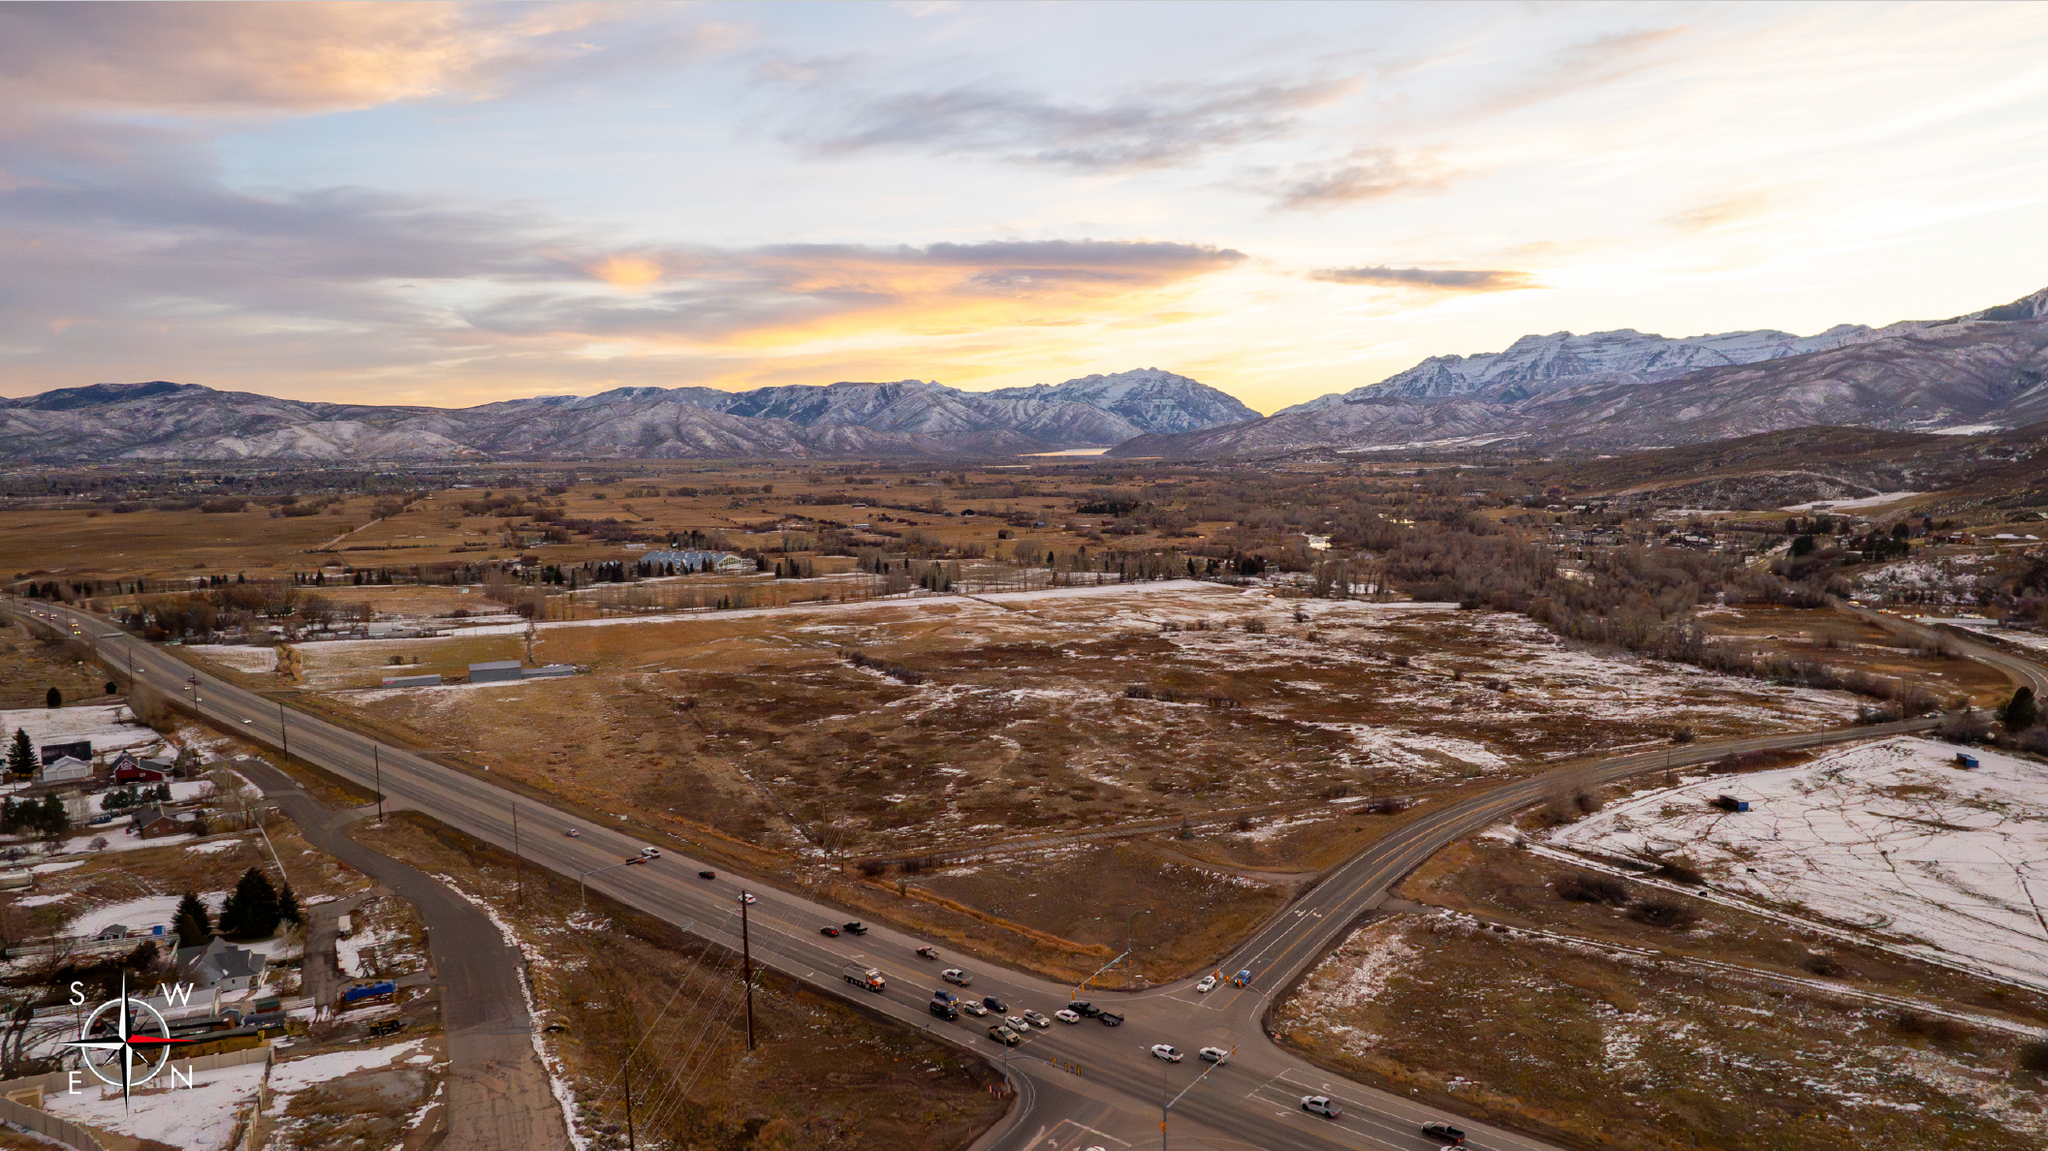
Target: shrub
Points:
(1964, 727)
(1682, 735)
(1587, 802)
(1666, 913)
(1678, 871)
(1943, 1031)
(1255, 626)
(872, 867)
(1385, 805)
(2033, 1057)
(224, 504)
(2021, 711)
(1579, 887)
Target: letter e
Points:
(71, 1086)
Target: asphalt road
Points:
(1111, 1098)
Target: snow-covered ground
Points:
(199, 1119)
(1858, 504)
(110, 726)
(139, 915)
(1890, 836)
(252, 658)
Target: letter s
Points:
(77, 994)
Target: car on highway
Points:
(994, 1004)
(572, 833)
(1207, 985)
(1444, 1133)
(650, 853)
(927, 953)
(1165, 1051)
(1067, 1015)
(1110, 1019)
(1322, 1105)
(1086, 1009)
(945, 995)
(972, 1008)
(707, 875)
(747, 897)
(856, 928)
(956, 977)
(1036, 1020)
(1214, 1055)
(828, 929)
(1005, 1036)
(1016, 1023)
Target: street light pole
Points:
(1128, 981)
(283, 734)
(377, 765)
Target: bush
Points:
(1682, 735)
(1666, 913)
(1255, 626)
(872, 867)
(1578, 887)
(2021, 711)
(2034, 1057)
(1964, 727)
(1678, 871)
(1943, 1031)
(224, 504)
(1385, 805)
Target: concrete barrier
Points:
(49, 1126)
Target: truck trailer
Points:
(861, 975)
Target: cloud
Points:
(628, 273)
(1370, 174)
(1429, 279)
(1722, 211)
(1161, 127)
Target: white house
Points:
(65, 769)
(221, 966)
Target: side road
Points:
(498, 1094)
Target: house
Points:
(128, 769)
(221, 966)
(155, 821)
(65, 769)
(688, 560)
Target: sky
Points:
(451, 204)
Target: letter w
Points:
(175, 993)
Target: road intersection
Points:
(1079, 1086)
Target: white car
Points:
(1321, 1105)
(1214, 1055)
(748, 896)
(650, 853)
(1207, 985)
(1016, 1023)
(1165, 1051)
(1067, 1015)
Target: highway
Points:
(1110, 1098)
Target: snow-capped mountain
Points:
(1627, 389)
(163, 420)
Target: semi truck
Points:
(861, 975)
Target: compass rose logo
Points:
(130, 1048)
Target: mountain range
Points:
(1628, 389)
(170, 421)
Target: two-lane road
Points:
(1081, 1085)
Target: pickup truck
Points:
(861, 975)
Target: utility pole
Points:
(1128, 980)
(518, 864)
(629, 1101)
(377, 765)
(747, 962)
(283, 735)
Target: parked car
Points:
(1085, 1009)
(1214, 1055)
(1110, 1019)
(1321, 1105)
(972, 1008)
(1037, 1020)
(1165, 1051)
(994, 1004)
(1444, 1133)
(1067, 1015)
(856, 928)
(1207, 985)
(956, 977)
(829, 930)
(1004, 1036)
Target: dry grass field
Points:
(1847, 644)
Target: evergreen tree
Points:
(21, 755)
(51, 818)
(2022, 711)
(252, 911)
(55, 698)
(288, 904)
(192, 923)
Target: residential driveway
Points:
(498, 1094)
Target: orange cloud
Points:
(627, 273)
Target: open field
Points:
(1610, 1048)
(1888, 838)
(1843, 643)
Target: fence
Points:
(49, 1126)
(58, 1081)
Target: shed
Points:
(66, 769)
(1964, 759)
(82, 749)
(155, 822)
(497, 671)
(430, 680)
(128, 769)
(549, 672)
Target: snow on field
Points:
(109, 726)
(239, 656)
(199, 1119)
(1888, 836)
(299, 1074)
(1858, 504)
(139, 915)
